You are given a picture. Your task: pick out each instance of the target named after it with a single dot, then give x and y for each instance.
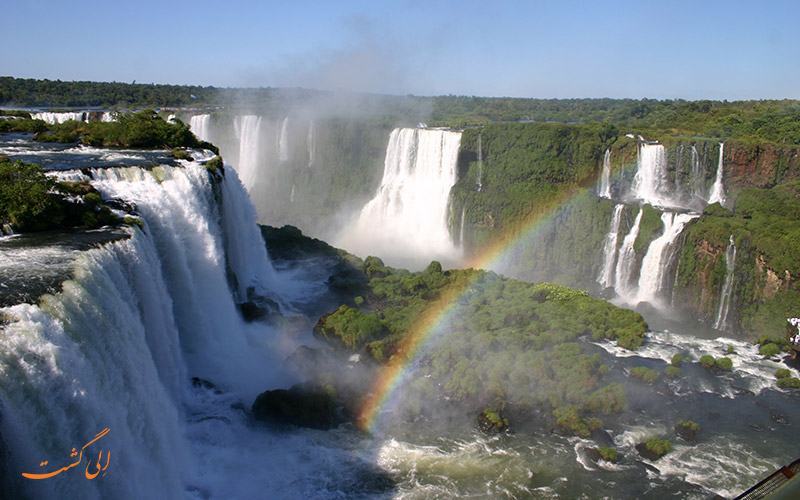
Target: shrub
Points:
(707, 361)
(783, 373)
(214, 164)
(724, 364)
(677, 359)
(658, 446)
(608, 454)
(789, 383)
(645, 374)
(672, 372)
(688, 424)
(769, 350)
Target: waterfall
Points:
(200, 126)
(656, 261)
(606, 277)
(115, 349)
(627, 259)
(56, 118)
(291, 195)
(717, 193)
(605, 182)
(248, 131)
(461, 230)
(480, 164)
(311, 143)
(727, 287)
(283, 142)
(698, 176)
(407, 220)
(650, 184)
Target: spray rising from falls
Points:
(407, 221)
(727, 287)
(116, 347)
(606, 277)
(283, 141)
(717, 194)
(248, 132)
(605, 178)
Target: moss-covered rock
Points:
(687, 430)
(492, 422)
(654, 448)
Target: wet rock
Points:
(205, 384)
(303, 405)
(492, 422)
(778, 417)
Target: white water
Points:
(605, 182)
(200, 126)
(606, 277)
(652, 277)
(650, 184)
(248, 132)
(283, 142)
(311, 143)
(480, 164)
(727, 287)
(407, 219)
(717, 194)
(627, 259)
(697, 174)
(55, 118)
(461, 229)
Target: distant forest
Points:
(775, 121)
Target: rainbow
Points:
(424, 329)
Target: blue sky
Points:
(680, 49)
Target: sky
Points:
(545, 49)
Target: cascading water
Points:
(480, 164)
(283, 141)
(116, 347)
(248, 132)
(311, 143)
(606, 277)
(727, 287)
(717, 193)
(56, 118)
(461, 229)
(407, 219)
(659, 254)
(697, 175)
(605, 177)
(627, 259)
(650, 184)
(200, 126)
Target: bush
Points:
(608, 454)
(677, 359)
(783, 373)
(214, 164)
(789, 383)
(769, 350)
(688, 424)
(658, 446)
(672, 372)
(707, 361)
(26, 198)
(645, 374)
(724, 364)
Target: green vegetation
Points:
(647, 375)
(688, 424)
(707, 361)
(501, 338)
(32, 201)
(657, 446)
(782, 373)
(608, 454)
(568, 419)
(789, 383)
(769, 350)
(724, 364)
(672, 371)
(676, 360)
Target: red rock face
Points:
(760, 166)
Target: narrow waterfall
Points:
(606, 277)
(248, 132)
(311, 143)
(656, 261)
(283, 141)
(627, 259)
(407, 220)
(727, 287)
(717, 193)
(291, 195)
(461, 230)
(650, 184)
(116, 348)
(697, 176)
(200, 126)
(605, 182)
(480, 164)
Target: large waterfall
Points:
(200, 126)
(115, 349)
(717, 194)
(606, 277)
(627, 259)
(407, 220)
(248, 132)
(650, 185)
